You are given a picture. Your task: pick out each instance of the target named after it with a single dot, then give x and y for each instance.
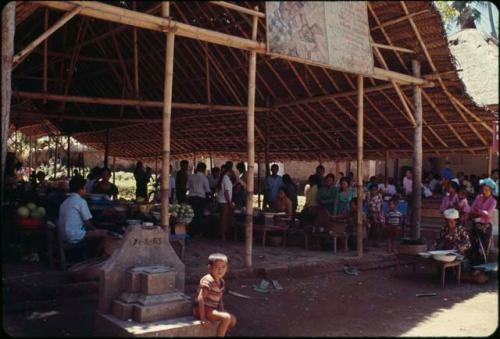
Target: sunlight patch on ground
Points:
(477, 316)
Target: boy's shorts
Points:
(208, 312)
(392, 231)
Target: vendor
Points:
(282, 203)
(141, 181)
(452, 236)
(104, 186)
(482, 213)
(75, 217)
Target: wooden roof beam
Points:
(129, 102)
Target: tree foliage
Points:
(463, 14)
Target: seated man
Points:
(282, 203)
(104, 186)
(75, 217)
(452, 235)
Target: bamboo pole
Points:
(27, 50)
(142, 20)
(490, 161)
(359, 170)
(114, 169)
(68, 154)
(251, 147)
(55, 156)
(393, 48)
(45, 50)
(167, 111)
(106, 149)
(238, 8)
(156, 168)
(386, 165)
(417, 157)
(258, 179)
(8, 30)
(136, 56)
(130, 102)
(207, 66)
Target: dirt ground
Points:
(374, 303)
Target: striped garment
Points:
(393, 218)
(215, 291)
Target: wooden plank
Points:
(240, 9)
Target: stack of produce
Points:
(31, 215)
(183, 213)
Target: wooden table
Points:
(270, 228)
(414, 260)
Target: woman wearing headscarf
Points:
(452, 236)
(481, 212)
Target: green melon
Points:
(23, 212)
(31, 206)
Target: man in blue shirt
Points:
(273, 183)
(75, 217)
(447, 172)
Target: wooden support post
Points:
(359, 170)
(211, 162)
(417, 157)
(207, 67)
(167, 111)
(386, 169)
(8, 29)
(490, 161)
(45, 50)
(194, 162)
(106, 149)
(36, 154)
(156, 168)
(55, 156)
(258, 179)
(19, 57)
(114, 169)
(68, 155)
(136, 56)
(266, 157)
(251, 147)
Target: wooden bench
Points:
(415, 260)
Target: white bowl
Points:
(425, 255)
(444, 257)
(133, 222)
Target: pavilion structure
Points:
(175, 79)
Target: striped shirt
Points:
(215, 291)
(393, 218)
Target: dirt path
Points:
(371, 304)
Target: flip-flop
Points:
(277, 285)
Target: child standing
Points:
(393, 219)
(209, 305)
(375, 215)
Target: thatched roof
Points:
(311, 129)
(476, 53)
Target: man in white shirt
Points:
(224, 192)
(408, 183)
(199, 189)
(75, 217)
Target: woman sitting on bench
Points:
(452, 235)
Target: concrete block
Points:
(109, 326)
(128, 297)
(147, 300)
(132, 281)
(157, 282)
(175, 308)
(121, 310)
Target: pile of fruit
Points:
(31, 215)
(183, 213)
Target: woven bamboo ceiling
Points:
(307, 112)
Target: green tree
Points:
(463, 14)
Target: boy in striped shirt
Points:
(393, 220)
(209, 306)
